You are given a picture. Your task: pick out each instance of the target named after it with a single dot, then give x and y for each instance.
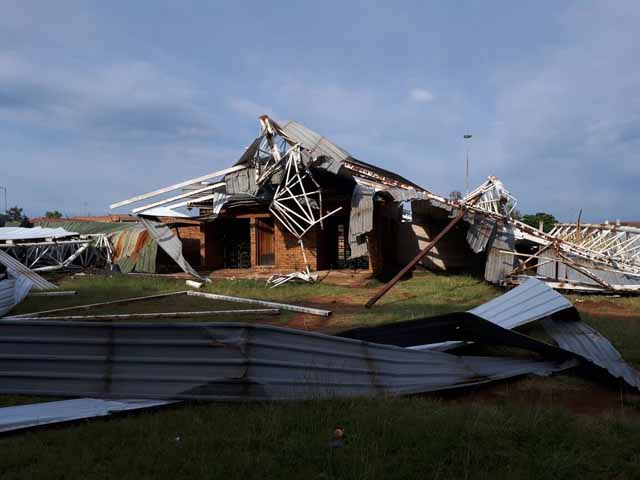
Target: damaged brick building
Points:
(296, 201)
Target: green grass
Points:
(559, 427)
(386, 438)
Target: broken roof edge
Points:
(318, 145)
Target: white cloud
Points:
(124, 101)
(421, 95)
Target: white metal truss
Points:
(55, 255)
(297, 202)
(614, 242)
(494, 197)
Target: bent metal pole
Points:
(415, 261)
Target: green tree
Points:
(15, 214)
(548, 220)
(53, 214)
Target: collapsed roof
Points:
(279, 170)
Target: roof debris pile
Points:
(238, 361)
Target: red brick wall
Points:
(289, 255)
(192, 238)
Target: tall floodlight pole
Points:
(467, 141)
(6, 207)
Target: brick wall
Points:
(192, 237)
(289, 257)
(288, 254)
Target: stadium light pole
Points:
(6, 207)
(467, 141)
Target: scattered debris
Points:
(194, 284)
(54, 293)
(18, 269)
(47, 249)
(305, 277)
(339, 438)
(273, 307)
(132, 316)
(260, 362)
(264, 303)
(13, 289)
(343, 211)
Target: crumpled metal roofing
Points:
(18, 269)
(20, 233)
(227, 361)
(530, 301)
(321, 146)
(480, 233)
(12, 292)
(579, 338)
(242, 181)
(169, 242)
(360, 219)
(134, 250)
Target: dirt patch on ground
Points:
(330, 302)
(606, 308)
(338, 305)
(311, 323)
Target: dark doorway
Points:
(237, 243)
(333, 248)
(265, 241)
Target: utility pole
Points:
(467, 142)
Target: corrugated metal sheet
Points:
(360, 219)
(169, 242)
(528, 302)
(19, 269)
(134, 250)
(524, 304)
(22, 417)
(480, 232)
(316, 143)
(499, 264)
(579, 338)
(226, 361)
(12, 292)
(242, 181)
(18, 233)
(321, 146)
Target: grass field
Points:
(559, 427)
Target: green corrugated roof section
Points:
(87, 228)
(134, 249)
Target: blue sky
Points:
(103, 100)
